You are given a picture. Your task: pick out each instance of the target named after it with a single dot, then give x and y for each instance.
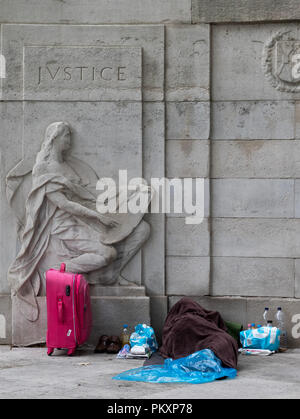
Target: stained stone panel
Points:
(247, 64)
(150, 38)
(187, 63)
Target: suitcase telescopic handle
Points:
(60, 309)
(63, 267)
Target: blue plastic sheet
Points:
(200, 367)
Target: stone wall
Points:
(217, 100)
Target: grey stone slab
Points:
(187, 158)
(255, 159)
(187, 62)
(154, 166)
(254, 237)
(187, 239)
(159, 311)
(10, 154)
(253, 277)
(184, 212)
(95, 11)
(246, 62)
(253, 120)
(113, 291)
(5, 319)
(148, 37)
(187, 275)
(297, 198)
(188, 120)
(290, 306)
(110, 313)
(297, 278)
(264, 198)
(232, 309)
(82, 73)
(244, 10)
(24, 332)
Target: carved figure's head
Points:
(57, 138)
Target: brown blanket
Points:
(190, 328)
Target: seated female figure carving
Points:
(60, 222)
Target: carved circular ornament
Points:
(281, 62)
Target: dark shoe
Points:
(114, 345)
(102, 344)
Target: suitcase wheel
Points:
(50, 351)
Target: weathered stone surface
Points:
(255, 159)
(273, 198)
(5, 320)
(297, 198)
(150, 38)
(253, 277)
(187, 239)
(188, 120)
(82, 73)
(95, 11)
(244, 10)
(159, 311)
(187, 158)
(184, 213)
(10, 154)
(297, 278)
(110, 313)
(187, 62)
(24, 332)
(111, 291)
(154, 166)
(253, 120)
(187, 275)
(232, 309)
(241, 71)
(254, 237)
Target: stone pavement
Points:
(30, 373)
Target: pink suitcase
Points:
(69, 317)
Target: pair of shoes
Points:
(109, 344)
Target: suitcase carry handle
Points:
(60, 309)
(63, 267)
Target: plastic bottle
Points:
(281, 326)
(270, 323)
(249, 326)
(252, 326)
(266, 316)
(125, 335)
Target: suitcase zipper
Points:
(74, 324)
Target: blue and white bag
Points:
(262, 338)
